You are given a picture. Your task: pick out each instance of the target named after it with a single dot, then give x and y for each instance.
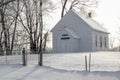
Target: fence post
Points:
(86, 63)
(6, 56)
(89, 62)
(24, 57)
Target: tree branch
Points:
(5, 3)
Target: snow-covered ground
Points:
(65, 66)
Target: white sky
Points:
(107, 13)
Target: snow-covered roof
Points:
(89, 21)
(72, 33)
(92, 23)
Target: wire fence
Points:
(98, 61)
(14, 58)
(17, 57)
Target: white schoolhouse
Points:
(78, 33)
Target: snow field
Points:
(65, 66)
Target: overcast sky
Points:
(108, 13)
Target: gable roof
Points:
(92, 23)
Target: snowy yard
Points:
(69, 66)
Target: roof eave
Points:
(101, 31)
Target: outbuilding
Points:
(76, 32)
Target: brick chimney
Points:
(90, 15)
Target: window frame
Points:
(101, 42)
(96, 41)
(105, 42)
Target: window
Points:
(96, 40)
(64, 34)
(105, 42)
(65, 37)
(100, 41)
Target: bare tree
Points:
(16, 8)
(9, 16)
(4, 28)
(1, 46)
(28, 14)
(79, 5)
(31, 20)
(6, 2)
(63, 7)
(45, 39)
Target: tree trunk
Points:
(63, 8)
(15, 26)
(4, 30)
(1, 47)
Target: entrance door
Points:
(65, 44)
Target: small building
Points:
(79, 33)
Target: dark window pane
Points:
(64, 34)
(105, 42)
(64, 38)
(96, 40)
(100, 41)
